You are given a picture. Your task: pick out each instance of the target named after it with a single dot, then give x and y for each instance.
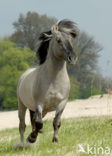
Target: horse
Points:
(46, 87)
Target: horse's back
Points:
(25, 88)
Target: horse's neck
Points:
(54, 66)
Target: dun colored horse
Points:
(46, 87)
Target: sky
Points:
(92, 16)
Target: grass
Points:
(93, 131)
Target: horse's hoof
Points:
(30, 139)
(18, 146)
(55, 140)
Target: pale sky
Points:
(92, 16)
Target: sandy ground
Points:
(94, 106)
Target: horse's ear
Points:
(54, 29)
(45, 36)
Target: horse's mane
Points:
(42, 51)
(66, 26)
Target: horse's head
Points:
(63, 34)
(60, 38)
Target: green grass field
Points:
(95, 132)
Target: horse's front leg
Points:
(37, 124)
(57, 119)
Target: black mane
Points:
(44, 45)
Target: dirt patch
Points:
(94, 106)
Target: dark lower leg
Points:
(33, 135)
(32, 119)
(56, 125)
(37, 125)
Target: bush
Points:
(13, 61)
(74, 90)
(87, 92)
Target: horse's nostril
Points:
(69, 58)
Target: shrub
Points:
(13, 62)
(74, 90)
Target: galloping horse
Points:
(46, 87)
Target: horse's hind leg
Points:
(32, 119)
(21, 115)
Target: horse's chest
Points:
(53, 97)
(53, 92)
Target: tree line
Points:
(17, 53)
